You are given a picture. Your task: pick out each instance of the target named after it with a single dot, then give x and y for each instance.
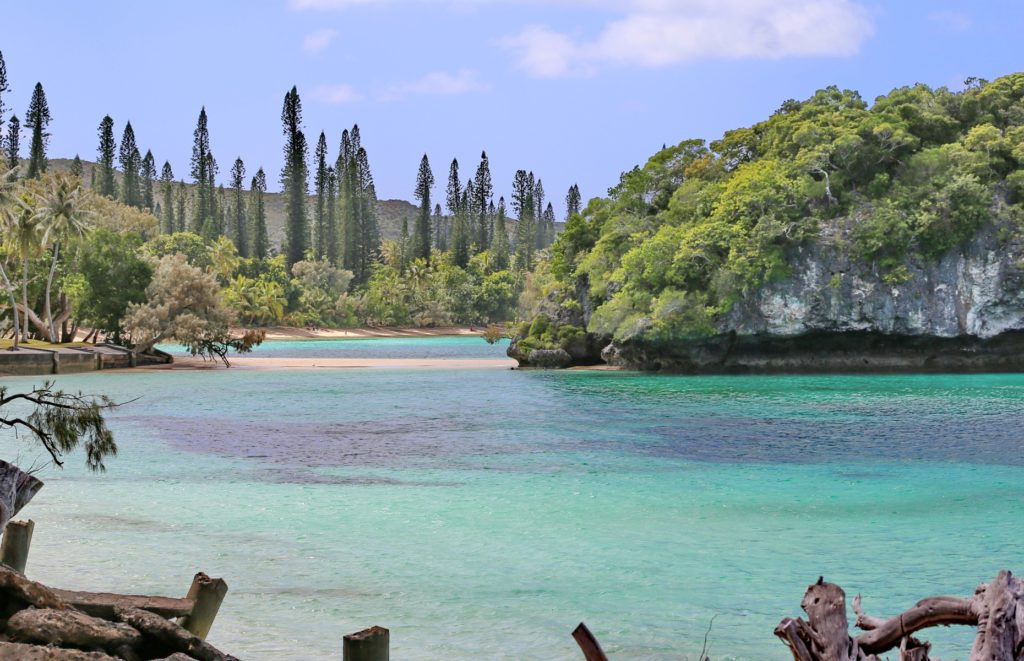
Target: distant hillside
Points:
(389, 212)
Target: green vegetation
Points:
(678, 240)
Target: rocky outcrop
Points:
(962, 312)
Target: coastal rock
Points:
(70, 628)
(22, 652)
(550, 358)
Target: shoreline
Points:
(263, 364)
(368, 332)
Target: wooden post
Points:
(367, 645)
(591, 649)
(207, 594)
(16, 542)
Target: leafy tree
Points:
(483, 191)
(106, 184)
(189, 244)
(421, 236)
(260, 242)
(131, 189)
(240, 223)
(294, 178)
(115, 276)
(167, 194)
(22, 239)
(37, 118)
(148, 179)
(12, 146)
(320, 184)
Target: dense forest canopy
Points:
(677, 241)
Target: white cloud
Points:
(659, 33)
(337, 95)
(951, 20)
(315, 42)
(437, 83)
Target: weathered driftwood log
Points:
(18, 592)
(14, 546)
(23, 652)
(997, 609)
(168, 636)
(69, 628)
(206, 595)
(588, 643)
(16, 488)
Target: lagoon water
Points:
(482, 514)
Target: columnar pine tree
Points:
(404, 246)
(572, 201)
(181, 215)
(549, 225)
(468, 204)
(106, 184)
(4, 88)
(76, 167)
(440, 238)
(200, 164)
(12, 146)
(538, 214)
(167, 195)
(461, 234)
(522, 204)
(331, 235)
(366, 193)
(499, 247)
(37, 118)
(239, 221)
(148, 177)
(421, 236)
(260, 242)
(454, 192)
(484, 192)
(129, 157)
(294, 178)
(320, 189)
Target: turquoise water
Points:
(481, 514)
(466, 346)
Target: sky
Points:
(577, 91)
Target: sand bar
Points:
(261, 363)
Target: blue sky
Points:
(575, 90)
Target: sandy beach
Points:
(260, 363)
(292, 333)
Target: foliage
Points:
(112, 275)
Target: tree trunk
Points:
(49, 285)
(14, 305)
(16, 488)
(24, 296)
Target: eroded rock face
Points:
(72, 628)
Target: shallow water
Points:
(483, 514)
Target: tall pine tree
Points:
(320, 188)
(461, 234)
(105, 184)
(76, 167)
(239, 222)
(148, 177)
(421, 235)
(4, 88)
(440, 234)
(331, 235)
(366, 196)
(37, 118)
(522, 204)
(200, 170)
(294, 178)
(483, 191)
(499, 247)
(549, 225)
(538, 214)
(572, 201)
(12, 146)
(181, 215)
(168, 224)
(260, 242)
(129, 157)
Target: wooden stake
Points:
(367, 645)
(207, 593)
(16, 542)
(591, 649)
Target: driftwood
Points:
(16, 488)
(169, 636)
(997, 609)
(70, 628)
(23, 652)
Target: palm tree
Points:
(60, 212)
(6, 186)
(22, 232)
